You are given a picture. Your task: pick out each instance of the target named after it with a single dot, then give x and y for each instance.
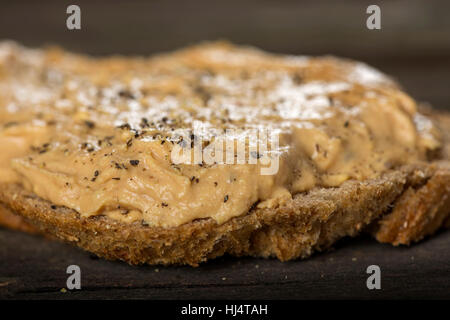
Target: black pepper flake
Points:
(346, 123)
(89, 124)
(144, 123)
(331, 100)
(120, 166)
(124, 126)
(53, 206)
(215, 184)
(116, 178)
(134, 162)
(193, 178)
(144, 223)
(130, 143)
(225, 199)
(96, 173)
(126, 94)
(42, 149)
(164, 204)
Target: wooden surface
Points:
(413, 46)
(34, 268)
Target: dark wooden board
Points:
(35, 268)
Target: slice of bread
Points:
(400, 205)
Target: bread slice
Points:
(401, 205)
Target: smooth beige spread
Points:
(95, 135)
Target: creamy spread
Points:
(96, 135)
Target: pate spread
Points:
(96, 135)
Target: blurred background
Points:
(413, 45)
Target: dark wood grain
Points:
(34, 268)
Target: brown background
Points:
(413, 46)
